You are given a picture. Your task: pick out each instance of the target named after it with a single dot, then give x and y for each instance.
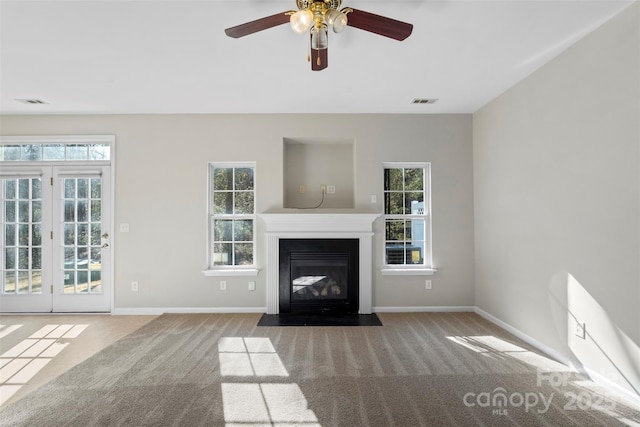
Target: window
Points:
(231, 216)
(55, 151)
(407, 217)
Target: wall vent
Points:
(31, 101)
(424, 100)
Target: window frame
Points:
(426, 267)
(229, 270)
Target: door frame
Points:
(109, 140)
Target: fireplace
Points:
(319, 275)
(294, 224)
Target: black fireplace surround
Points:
(319, 275)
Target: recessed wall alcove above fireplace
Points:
(326, 235)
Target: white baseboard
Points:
(188, 310)
(137, 311)
(605, 382)
(423, 309)
(529, 340)
(614, 387)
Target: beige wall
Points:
(557, 203)
(161, 188)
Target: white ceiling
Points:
(152, 56)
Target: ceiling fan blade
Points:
(380, 25)
(319, 59)
(258, 25)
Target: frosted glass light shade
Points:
(301, 21)
(319, 38)
(340, 22)
(336, 20)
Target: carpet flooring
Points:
(423, 369)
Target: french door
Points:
(56, 254)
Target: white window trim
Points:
(230, 270)
(408, 271)
(426, 269)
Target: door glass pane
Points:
(82, 239)
(22, 233)
(95, 268)
(9, 282)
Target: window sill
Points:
(408, 271)
(232, 272)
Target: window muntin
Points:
(407, 216)
(232, 215)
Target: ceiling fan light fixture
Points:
(319, 37)
(301, 21)
(317, 16)
(336, 20)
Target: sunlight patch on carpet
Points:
(258, 404)
(23, 361)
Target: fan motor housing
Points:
(332, 4)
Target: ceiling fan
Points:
(318, 16)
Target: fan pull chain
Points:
(318, 61)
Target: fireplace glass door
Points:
(319, 278)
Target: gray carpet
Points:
(426, 369)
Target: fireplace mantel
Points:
(329, 225)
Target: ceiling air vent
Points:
(424, 100)
(31, 101)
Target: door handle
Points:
(105, 236)
(106, 245)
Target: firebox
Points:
(319, 275)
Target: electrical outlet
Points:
(124, 227)
(301, 189)
(427, 284)
(223, 285)
(134, 286)
(252, 286)
(331, 189)
(323, 188)
(581, 330)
